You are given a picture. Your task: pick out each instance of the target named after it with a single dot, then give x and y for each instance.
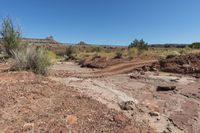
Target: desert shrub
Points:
(132, 52)
(10, 36)
(118, 54)
(70, 51)
(195, 45)
(183, 51)
(52, 56)
(96, 55)
(96, 49)
(36, 60)
(81, 61)
(59, 51)
(139, 44)
(173, 54)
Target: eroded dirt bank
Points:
(185, 64)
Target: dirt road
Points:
(74, 70)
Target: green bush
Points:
(195, 45)
(36, 60)
(10, 36)
(139, 44)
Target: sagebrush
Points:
(36, 60)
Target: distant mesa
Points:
(48, 41)
(171, 45)
(51, 42)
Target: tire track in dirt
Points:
(121, 68)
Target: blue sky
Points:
(116, 22)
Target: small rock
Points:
(135, 76)
(154, 69)
(166, 88)
(127, 105)
(71, 119)
(153, 113)
(142, 73)
(28, 126)
(174, 80)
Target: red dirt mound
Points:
(100, 62)
(185, 64)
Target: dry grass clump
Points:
(36, 60)
(132, 52)
(118, 54)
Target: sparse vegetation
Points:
(10, 35)
(96, 49)
(107, 87)
(195, 45)
(70, 51)
(119, 54)
(36, 60)
(139, 44)
(89, 52)
(132, 52)
(96, 55)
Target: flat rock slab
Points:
(166, 88)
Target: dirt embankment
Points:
(101, 62)
(185, 64)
